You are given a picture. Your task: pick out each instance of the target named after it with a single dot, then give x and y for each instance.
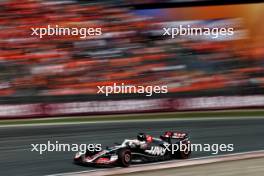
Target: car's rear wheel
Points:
(184, 154)
(124, 157)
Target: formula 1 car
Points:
(141, 150)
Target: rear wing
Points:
(174, 135)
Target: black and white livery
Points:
(144, 148)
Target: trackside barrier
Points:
(129, 106)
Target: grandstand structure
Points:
(66, 68)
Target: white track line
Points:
(167, 164)
(136, 120)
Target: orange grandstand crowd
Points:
(125, 53)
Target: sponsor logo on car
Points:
(155, 150)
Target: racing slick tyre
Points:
(183, 154)
(124, 157)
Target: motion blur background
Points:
(132, 50)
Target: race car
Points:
(144, 148)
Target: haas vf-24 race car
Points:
(141, 150)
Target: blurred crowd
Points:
(127, 52)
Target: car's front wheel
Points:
(124, 157)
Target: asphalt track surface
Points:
(16, 157)
(253, 167)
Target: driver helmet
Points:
(141, 137)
